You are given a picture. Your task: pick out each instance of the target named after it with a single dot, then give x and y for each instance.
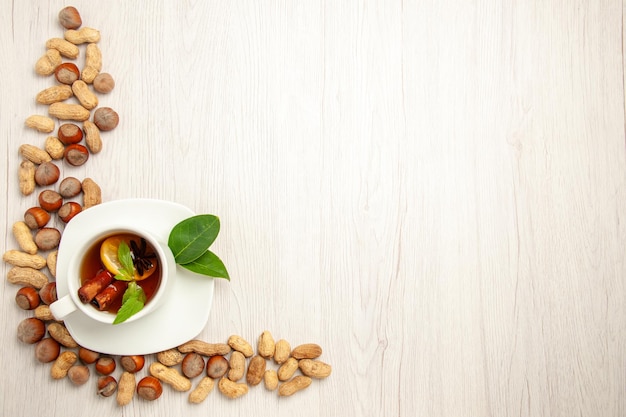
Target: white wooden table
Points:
(432, 191)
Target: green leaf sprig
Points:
(133, 300)
(134, 297)
(127, 272)
(189, 241)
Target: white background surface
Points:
(432, 191)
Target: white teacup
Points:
(71, 304)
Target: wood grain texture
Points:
(432, 191)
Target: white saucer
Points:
(181, 317)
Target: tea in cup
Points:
(111, 267)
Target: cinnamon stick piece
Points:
(107, 296)
(93, 286)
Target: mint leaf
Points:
(133, 300)
(190, 238)
(208, 264)
(133, 291)
(127, 272)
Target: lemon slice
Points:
(108, 256)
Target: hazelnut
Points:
(31, 330)
(47, 238)
(106, 118)
(87, 356)
(76, 154)
(27, 298)
(67, 73)
(48, 293)
(50, 200)
(103, 83)
(69, 210)
(149, 388)
(105, 365)
(70, 18)
(36, 217)
(107, 385)
(192, 365)
(216, 367)
(47, 350)
(70, 187)
(69, 133)
(78, 374)
(47, 173)
(132, 363)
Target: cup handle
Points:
(62, 307)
